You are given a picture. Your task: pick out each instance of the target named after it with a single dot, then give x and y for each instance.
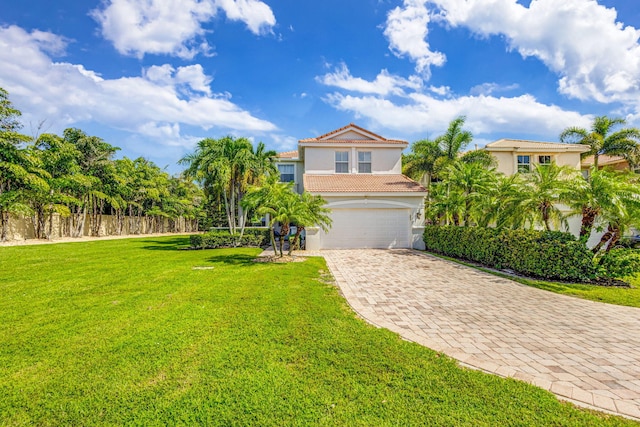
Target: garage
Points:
(368, 228)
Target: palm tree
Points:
(602, 140)
(312, 211)
(445, 205)
(227, 166)
(544, 189)
(428, 158)
(471, 180)
(623, 211)
(269, 199)
(455, 139)
(420, 164)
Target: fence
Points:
(22, 228)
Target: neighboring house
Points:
(359, 174)
(515, 155)
(606, 161)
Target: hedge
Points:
(222, 239)
(545, 254)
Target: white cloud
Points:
(174, 27)
(407, 30)
(489, 88)
(595, 56)
(284, 142)
(384, 83)
(485, 114)
(257, 15)
(155, 104)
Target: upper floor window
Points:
(524, 163)
(342, 162)
(287, 173)
(544, 160)
(364, 161)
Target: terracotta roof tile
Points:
(361, 183)
(522, 144)
(603, 160)
(288, 155)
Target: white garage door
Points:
(368, 228)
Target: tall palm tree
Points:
(602, 139)
(420, 164)
(455, 139)
(227, 166)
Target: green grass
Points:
(126, 332)
(611, 295)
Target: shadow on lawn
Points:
(171, 244)
(233, 259)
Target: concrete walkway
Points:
(583, 351)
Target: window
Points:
(287, 173)
(524, 163)
(342, 162)
(364, 161)
(544, 160)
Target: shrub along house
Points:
(359, 174)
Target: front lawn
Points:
(136, 332)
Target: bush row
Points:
(545, 254)
(223, 239)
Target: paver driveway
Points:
(585, 351)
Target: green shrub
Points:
(619, 263)
(548, 255)
(223, 239)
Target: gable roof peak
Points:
(353, 133)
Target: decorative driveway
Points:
(584, 351)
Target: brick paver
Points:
(584, 351)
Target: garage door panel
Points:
(368, 228)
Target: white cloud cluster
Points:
(595, 56)
(485, 114)
(155, 104)
(407, 30)
(384, 83)
(173, 27)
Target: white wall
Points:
(321, 160)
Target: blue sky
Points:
(153, 77)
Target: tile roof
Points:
(374, 138)
(521, 144)
(288, 155)
(603, 160)
(361, 183)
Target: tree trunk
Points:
(614, 238)
(296, 240)
(589, 216)
(604, 239)
(4, 225)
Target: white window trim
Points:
(294, 171)
(518, 162)
(335, 161)
(551, 159)
(370, 162)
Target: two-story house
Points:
(515, 155)
(359, 174)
